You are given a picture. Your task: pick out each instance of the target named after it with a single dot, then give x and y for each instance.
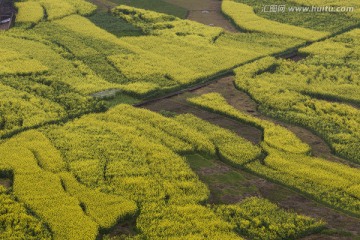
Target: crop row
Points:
(32, 11)
(245, 18)
(274, 135)
(29, 13)
(106, 162)
(228, 144)
(16, 222)
(258, 218)
(41, 183)
(61, 61)
(328, 75)
(288, 161)
(76, 52)
(196, 50)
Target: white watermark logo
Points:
(315, 9)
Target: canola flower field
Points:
(86, 167)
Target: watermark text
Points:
(314, 9)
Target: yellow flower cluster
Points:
(15, 63)
(307, 92)
(189, 221)
(228, 144)
(258, 218)
(43, 193)
(149, 67)
(19, 110)
(35, 83)
(131, 152)
(182, 52)
(165, 25)
(16, 222)
(274, 135)
(91, 171)
(329, 184)
(288, 161)
(74, 51)
(29, 12)
(42, 183)
(245, 18)
(134, 145)
(55, 9)
(105, 209)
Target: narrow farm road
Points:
(244, 103)
(207, 12)
(103, 5)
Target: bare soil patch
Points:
(207, 12)
(229, 185)
(227, 188)
(217, 169)
(295, 56)
(335, 236)
(124, 229)
(293, 201)
(178, 104)
(103, 5)
(110, 93)
(242, 101)
(5, 182)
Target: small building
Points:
(7, 14)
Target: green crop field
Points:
(175, 119)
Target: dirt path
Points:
(341, 225)
(244, 103)
(239, 184)
(103, 5)
(178, 105)
(207, 12)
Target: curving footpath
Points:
(207, 12)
